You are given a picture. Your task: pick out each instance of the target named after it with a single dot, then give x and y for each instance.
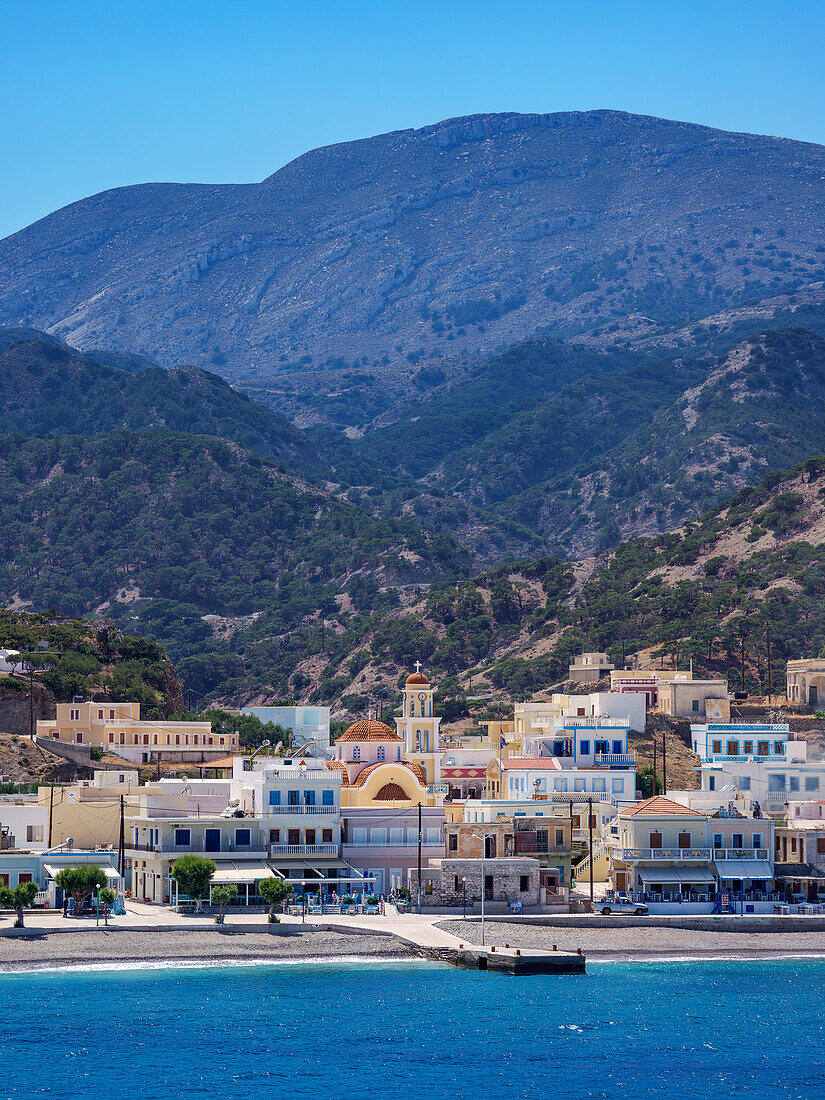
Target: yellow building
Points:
(118, 728)
(806, 681)
(374, 769)
(89, 811)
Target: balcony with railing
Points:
(302, 809)
(257, 848)
(624, 759)
(740, 853)
(303, 849)
(664, 854)
(581, 721)
(580, 796)
(528, 843)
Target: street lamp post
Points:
(464, 897)
(483, 839)
(263, 745)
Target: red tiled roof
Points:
(337, 766)
(657, 806)
(416, 769)
(368, 730)
(390, 792)
(531, 763)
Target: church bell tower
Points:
(417, 725)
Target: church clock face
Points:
(422, 697)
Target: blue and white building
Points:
(759, 763)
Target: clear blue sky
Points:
(99, 94)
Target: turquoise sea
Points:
(686, 1030)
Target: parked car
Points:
(623, 905)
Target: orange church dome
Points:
(367, 729)
(416, 678)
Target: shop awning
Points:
(52, 870)
(743, 869)
(242, 872)
(696, 874)
(659, 874)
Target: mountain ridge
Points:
(429, 245)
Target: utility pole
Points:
(51, 812)
(590, 835)
(768, 640)
(655, 792)
(121, 845)
(664, 765)
(31, 701)
(483, 890)
(419, 857)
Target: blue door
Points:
(212, 840)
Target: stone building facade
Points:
(449, 882)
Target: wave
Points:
(723, 956)
(115, 965)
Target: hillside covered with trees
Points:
(754, 563)
(91, 658)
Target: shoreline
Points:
(146, 950)
(110, 965)
(640, 943)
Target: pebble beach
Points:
(101, 946)
(639, 942)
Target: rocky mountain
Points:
(655, 452)
(359, 265)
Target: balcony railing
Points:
(581, 721)
(579, 796)
(778, 758)
(740, 853)
(627, 758)
(303, 849)
(664, 853)
(198, 847)
(302, 810)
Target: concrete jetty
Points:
(513, 960)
